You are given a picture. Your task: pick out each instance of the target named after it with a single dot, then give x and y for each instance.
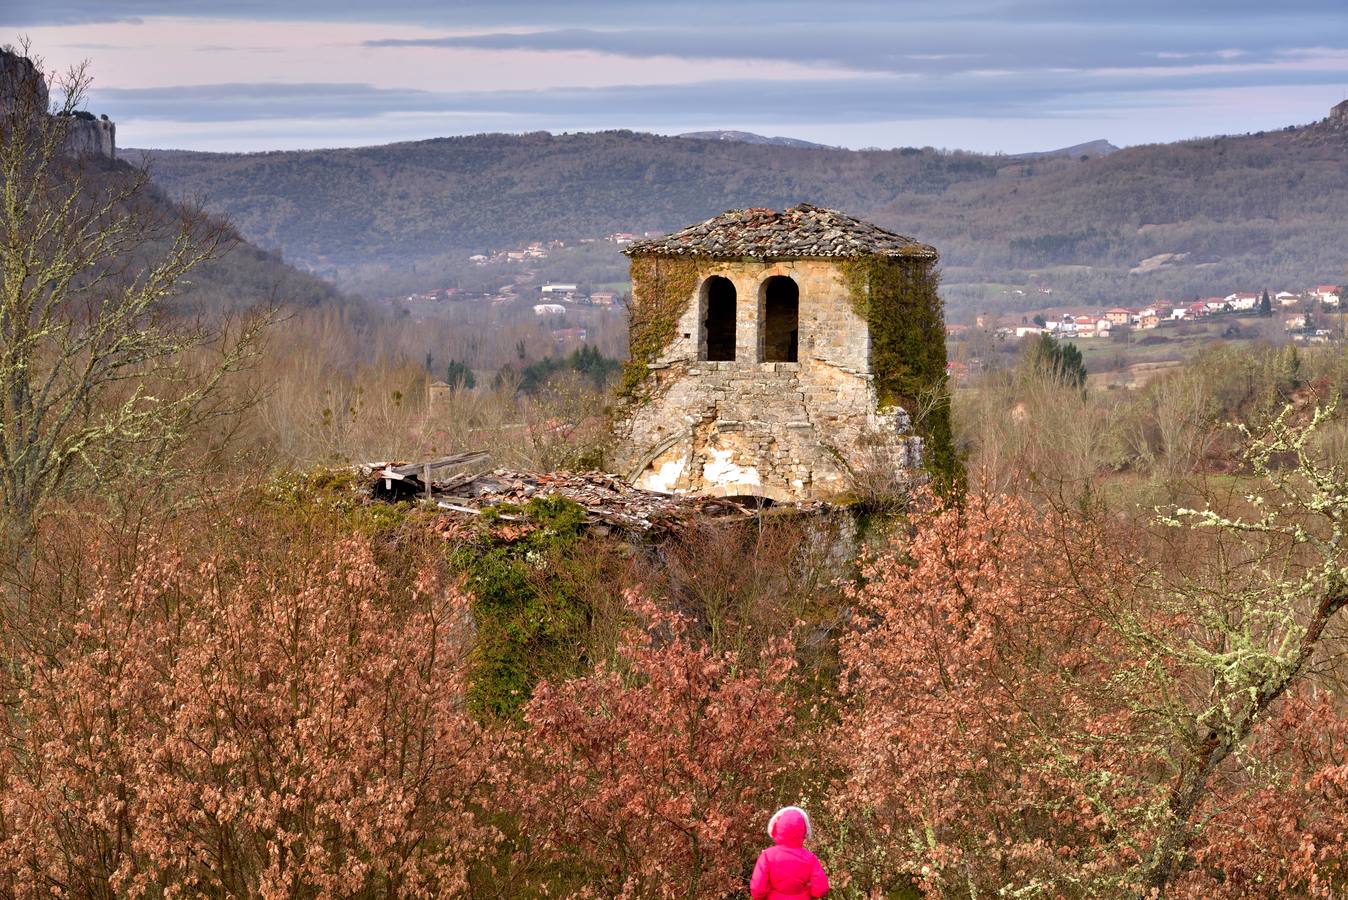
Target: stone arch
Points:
(779, 319)
(716, 342)
(765, 492)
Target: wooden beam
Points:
(458, 459)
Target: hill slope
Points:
(1089, 148)
(241, 276)
(1237, 212)
(748, 137)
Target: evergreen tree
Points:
(586, 361)
(1265, 305)
(458, 375)
(1046, 356)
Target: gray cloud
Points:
(623, 13)
(930, 47)
(918, 59)
(728, 102)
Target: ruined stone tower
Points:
(780, 355)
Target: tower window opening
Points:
(718, 319)
(781, 319)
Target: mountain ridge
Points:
(749, 137)
(1098, 147)
(1249, 210)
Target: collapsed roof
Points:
(607, 500)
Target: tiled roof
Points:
(802, 232)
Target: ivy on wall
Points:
(901, 306)
(898, 299)
(529, 624)
(665, 284)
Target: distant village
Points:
(554, 297)
(1294, 310)
(1145, 341)
(569, 313)
(567, 310)
(539, 249)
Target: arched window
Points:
(718, 319)
(780, 308)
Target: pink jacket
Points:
(788, 871)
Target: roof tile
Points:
(803, 231)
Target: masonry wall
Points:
(799, 430)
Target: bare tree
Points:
(1260, 618)
(96, 373)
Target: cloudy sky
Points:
(1009, 75)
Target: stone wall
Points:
(783, 430)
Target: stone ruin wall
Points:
(782, 430)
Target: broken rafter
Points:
(606, 499)
(458, 459)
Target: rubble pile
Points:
(607, 500)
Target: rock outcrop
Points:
(90, 136)
(21, 82)
(19, 78)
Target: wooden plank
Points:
(454, 507)
(458, 459)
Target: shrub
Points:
(653, 777)
(280, 716)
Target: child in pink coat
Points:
(788, 871)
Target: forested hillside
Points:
(240, 276)
(1238, 212)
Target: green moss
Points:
(530, 624)
(323, 491)
(665, 284)
(898, 299)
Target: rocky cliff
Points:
(88, 135)
(22, 83)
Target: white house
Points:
(1089, 326)
(1328, 294)
(549, 309)
(1242, 300)
(1287, 298)
(559, 288)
